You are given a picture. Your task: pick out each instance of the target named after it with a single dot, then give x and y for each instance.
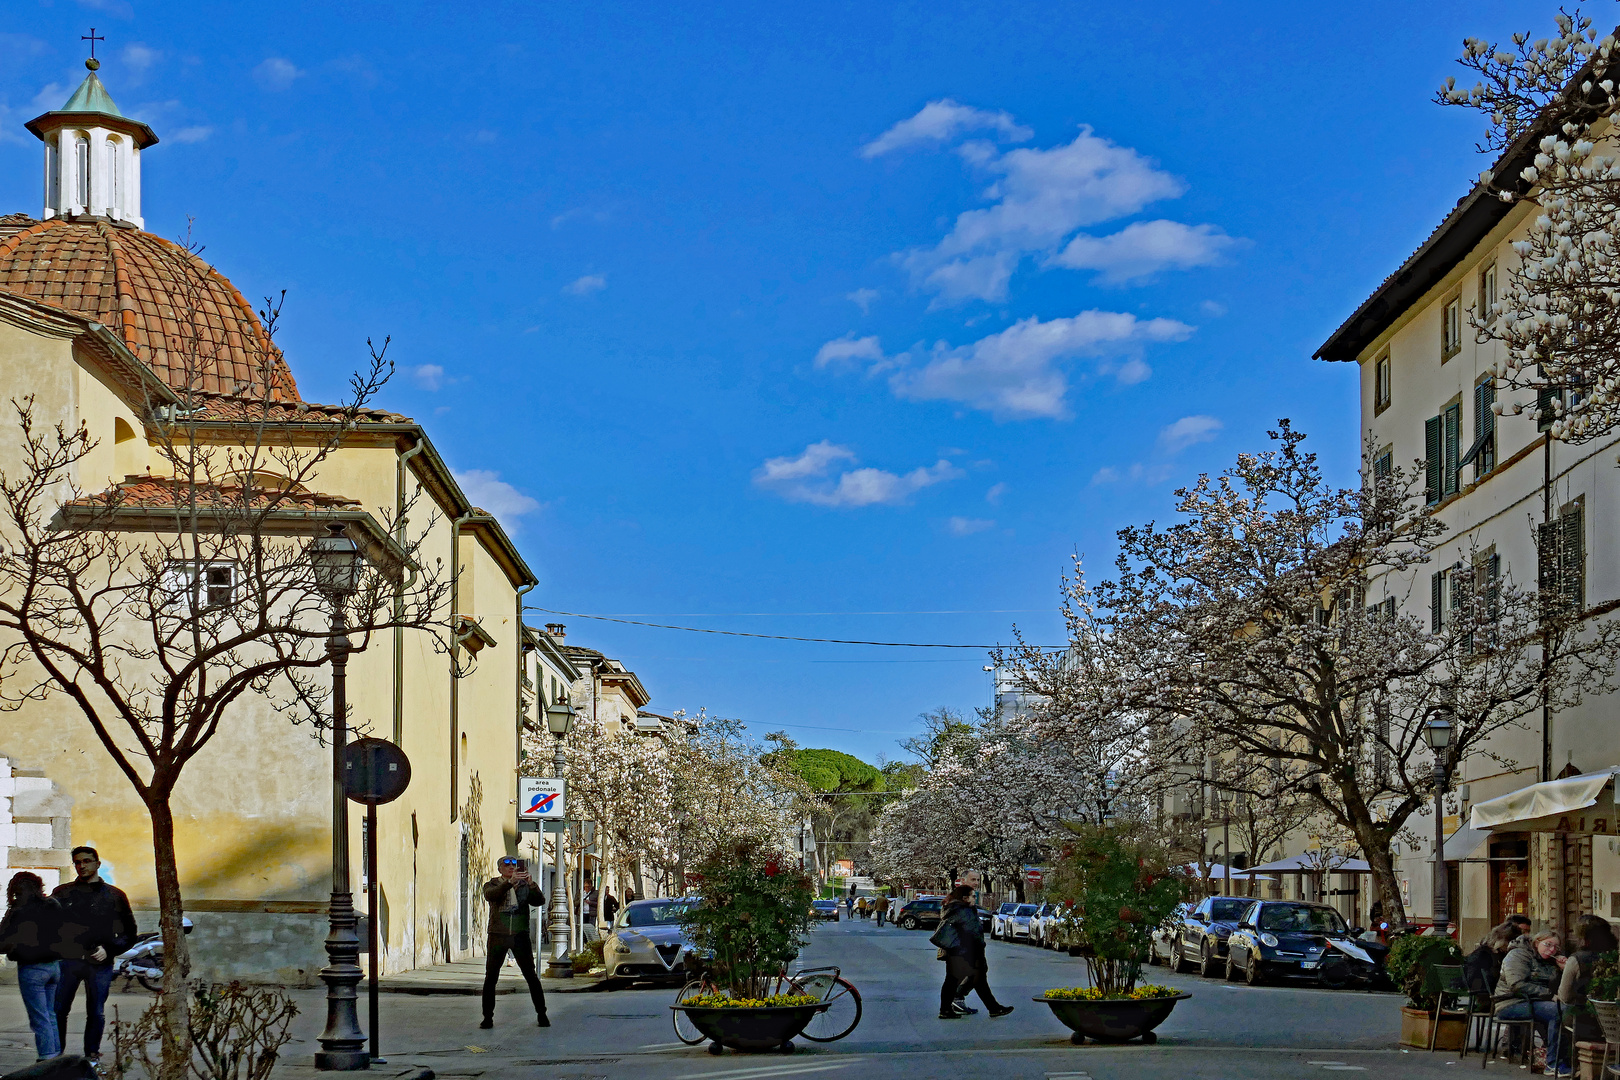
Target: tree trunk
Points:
(174, 1025)
(1375, 849)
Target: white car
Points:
(998, 920)
(1015, 924)
(1045, 926)
(1037, 922)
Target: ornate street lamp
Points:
(1226, 839)
(337, 564)
(559, 721)
(1437, 733)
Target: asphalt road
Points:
(1224, 1031)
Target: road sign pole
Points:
(372, 887)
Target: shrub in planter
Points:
(1122, 886)
(1411, 965)
(751, 918)
(1605, 984)
(589, 957)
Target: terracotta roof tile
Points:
(177, 314)
(157, 493)
(238, 409)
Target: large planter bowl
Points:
(771, 1028)
(1112, 1020)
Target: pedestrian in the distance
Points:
(30, 935)
(965, 967)
(881, 906)
(510, 897)
(860, 907)
(588, 912)
(97, 925)
(610, 907)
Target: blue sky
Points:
(767, 318)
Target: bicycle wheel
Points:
(843, 1011)
(685, 1030)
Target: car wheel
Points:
(908, 923)
(1181, 964)
(1233, 972)
(1209, 964)
(1251, 974)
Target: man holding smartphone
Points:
(510, 897)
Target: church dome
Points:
(177, 314)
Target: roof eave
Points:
(44, 123)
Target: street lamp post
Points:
(336, 562)
(559, 720)
(1226, 840)
(1438, 735)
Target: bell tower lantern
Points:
(92, 155)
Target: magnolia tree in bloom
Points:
(1557, 313)
(1255, 626)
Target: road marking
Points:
(1343, 1068)
(1324, 1063)
(772, 1070)
(661, 1046)
(1068, 1076)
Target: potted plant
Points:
(750, 921)
(1411, 965)
(1122, 887)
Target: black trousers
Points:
(963, 975)
(522, 950)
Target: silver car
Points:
(646, 941)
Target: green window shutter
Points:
(1485, 425)
(1433, 444)
(1389, 609)
(1437, 601)
(1544, 413)
(1453, 452)
(1572, 560)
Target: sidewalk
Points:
(467, 977)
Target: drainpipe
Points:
(473, 514)
(517, 700)
(399, 593)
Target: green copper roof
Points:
(91, 97)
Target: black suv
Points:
(922, 914)
(1200, 943)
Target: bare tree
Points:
(156, 606)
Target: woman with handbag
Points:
(960, 940)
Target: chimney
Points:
(556, 630)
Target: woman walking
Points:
(965, 967)
(29, 935)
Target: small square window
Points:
(210, 587)
(1451, 329)
(1381, 384)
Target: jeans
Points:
(881, 916)
(522, 950)
(1542, 1012)
(38, 983)
(97, 979)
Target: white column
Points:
(132, 201)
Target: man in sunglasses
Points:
(97, 925)
(510, 897)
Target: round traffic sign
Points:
(375, 771)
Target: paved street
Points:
(1224, 1031)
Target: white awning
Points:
(1463, 843)
(1576, 804)
(1307, 863)
(1216, 870)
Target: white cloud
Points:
(809, 478)
(961, 526)
(139, 59)
(584, 286)
(194, 134)
(1039, 198)
(52, 96)
(1016, 374)
(276, 73)
(847, 348)
(863, 298)
(1143, 248)
(942, 121)
(993, 496)
(1213, 308)
(428, 376)
(486, 490)
(1188, 431)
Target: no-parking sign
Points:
(540, 798)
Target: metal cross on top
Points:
(92, 37)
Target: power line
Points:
(769, 637)
(764, 614)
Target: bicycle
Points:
(836, 1018)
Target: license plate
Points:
(1307, 964)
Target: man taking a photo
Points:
(510, 897)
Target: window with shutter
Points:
(1453, 452)
(1384, 465)
(1488, 573)
(1389, 609)
(1487, 292)
(1545, 414)
(1484, 449)
(1451, 329)
(1381, 384)
(1437, 601)
(1572, 559)
(1547, 564)
(1433, 446)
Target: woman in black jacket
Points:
(30, 935)
(965, 968)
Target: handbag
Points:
(945, 938)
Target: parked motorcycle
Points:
(143, 961)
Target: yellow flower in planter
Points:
(1145, 992)
(776, 1001)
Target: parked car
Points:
(1162, 949)
(998, 917)
(1015, 924)
(1042, 923)
(1062, 929)
(920, 914)
(824, 909)
(1201, 938)
(1294, 939)
(646, 941)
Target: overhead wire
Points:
(767, 637)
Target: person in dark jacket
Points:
(1527, 987)
(965, 967)
(510, 897)
(1593, 937)
(610, 907)
(30, 935)
(97, 925)
(1484, 965)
